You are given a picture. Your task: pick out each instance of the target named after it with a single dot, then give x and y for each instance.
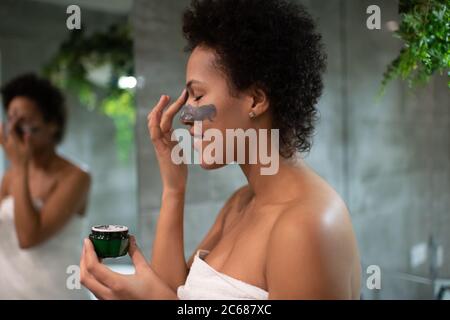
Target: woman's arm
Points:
(4, 186)
(168, 259)
(34, 227)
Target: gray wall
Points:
(388, 159)
(30, 33)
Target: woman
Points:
(259, 65)
(42, 198)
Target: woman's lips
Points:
(195, 135)
(197, 144)
(197, 139)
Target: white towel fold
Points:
(205, 283)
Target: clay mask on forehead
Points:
(190, 113)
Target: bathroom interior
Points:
(387, 154)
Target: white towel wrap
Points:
(205, 283)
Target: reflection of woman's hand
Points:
(173, 175)
(17, 148)
(106, 284)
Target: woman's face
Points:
(207, 86)
(29, 120)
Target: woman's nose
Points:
(186, 118)
(187, 122)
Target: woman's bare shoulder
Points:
(311, 250)
(316, 233)
(316, 201)
(319, 207)
(67, 168)
(320, 221)
(317, 214)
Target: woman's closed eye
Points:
(197, 98)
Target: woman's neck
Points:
(43, 159)
(265, 187)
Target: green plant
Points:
(90, 66)
(425, 30)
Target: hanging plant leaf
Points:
(90, 67)
(425, 31)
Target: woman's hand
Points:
(173, 175)
(106, 284)
(17, 148)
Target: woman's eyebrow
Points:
(191, 82)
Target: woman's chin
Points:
(205, 160)
(210, 166)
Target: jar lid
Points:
(110, 228)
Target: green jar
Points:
(110, 241)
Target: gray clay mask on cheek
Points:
(190, 113)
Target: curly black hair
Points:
(47, 97)
(272, 44)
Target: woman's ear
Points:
(260, 102)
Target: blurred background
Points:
(388, 156)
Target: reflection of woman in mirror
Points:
(282, 236)
(43, 196)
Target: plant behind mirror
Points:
(90, 67)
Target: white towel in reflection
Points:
(204, 282)
(38, 272)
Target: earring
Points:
(252, 115)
